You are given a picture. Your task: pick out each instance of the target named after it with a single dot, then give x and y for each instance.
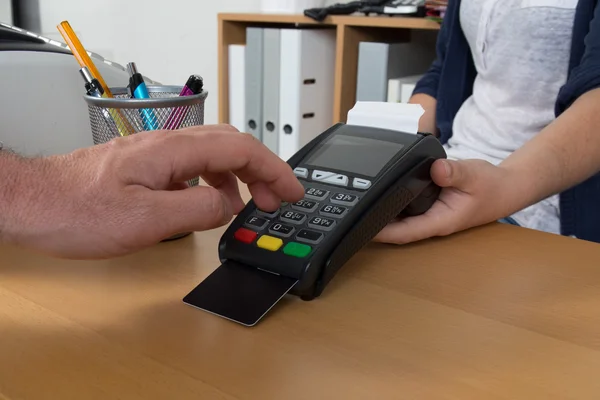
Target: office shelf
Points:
(350, 30)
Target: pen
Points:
(84, 60)
(92, 85)
(137, 89)
(93, 88)
(193, 86)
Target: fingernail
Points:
(447, 168)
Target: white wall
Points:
(168, 40)
(6, 11)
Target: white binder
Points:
(237, 86)
(306, 87)
(378, 62)
(270, 91)
(253, 81)
(400, 89)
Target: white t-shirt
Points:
(521, 51)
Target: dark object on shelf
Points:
(405, 11)
(435, 9)
(319, 14)
(379, 7)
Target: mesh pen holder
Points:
(164, 110)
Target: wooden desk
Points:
(495, 313)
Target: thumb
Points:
(450, 173)
(197, 208)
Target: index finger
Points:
(412, 229)
(195, 152)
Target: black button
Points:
(257, 222)
(343, 198)
(281, 229)
(314, 193)
(321, 223)
(305, 205)
(309, 236)
(334, 211)
(268, 214)
(293, 217)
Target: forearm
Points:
(427, 122)
(564, 154)
(21, 179)
(8, 178)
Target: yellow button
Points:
(269, 243)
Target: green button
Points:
(296, 249)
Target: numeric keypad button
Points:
(256, 223)
(268, 214)
(308, 236)
(331, 210)
(321, 223)
(293, 217)
(315, 194)
(305, 205)
(344, 199)
(283, 230)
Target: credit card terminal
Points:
(357, 179)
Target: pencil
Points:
(85, 60)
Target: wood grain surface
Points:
(497, 312)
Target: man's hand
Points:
(119, 197)
(474, 192)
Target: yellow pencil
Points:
(84, 60)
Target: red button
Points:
(245, 235)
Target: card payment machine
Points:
(356, 179)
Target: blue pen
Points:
(137, 89)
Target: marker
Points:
(193, 86)
(94, 88)
(84, 60)
(137, 89)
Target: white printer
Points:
(42, 110)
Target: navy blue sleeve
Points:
(585, 74)
(428, 84)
